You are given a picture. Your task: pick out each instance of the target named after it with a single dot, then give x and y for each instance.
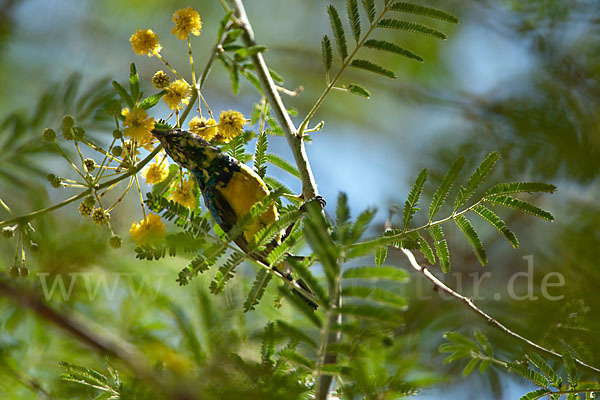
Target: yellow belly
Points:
(243, 190)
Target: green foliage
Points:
(359, 90)
(376, 22)
(545, 376)
(258, 289)
(412, 239)
(467, 191)
(262, 145)
(424, 11)
(440, 195)
(372, 67)
(390, 47)
(327, 53)
(283, 164)
(441, 247)
(338, 31)
(109, 387)
(410, 206)
(497, 223)
(410, 27)
(467, 229)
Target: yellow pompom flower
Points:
(205, 128)
(230, 124)
(178, 94)
(148, 231)
(145, 41)
(184, 193)
(138, 125)
(187, 20)
(160, 80)
(156, 172)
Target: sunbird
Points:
(229, 188)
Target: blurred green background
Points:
(521, 77)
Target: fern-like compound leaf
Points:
(354, 18)
(372, 67)
(424, 11)
(410, 206)
(327, 53)
(482, 171)
(497, 223)
(392, 48)
(439, 197)
(338, 31)
(521, 205)
(390, 23)
(441, 247)
(467, 229)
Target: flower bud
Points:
(117, 151)
(89, 164)
(115, 241)
(14, 271)
(78, 132)
(49, 135)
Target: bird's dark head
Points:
(186, 148)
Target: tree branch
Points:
(423, 270)
(309, 186)
(296, 143)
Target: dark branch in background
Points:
(309, 186)
(423, 270)
(134, 360)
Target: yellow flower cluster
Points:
(138, 125)
(145, 41)
(148, 231)
(178, 94)
(230, 124)
(205, 128)
(184, 193)
(187, 20)
(156, 172)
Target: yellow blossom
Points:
(206, 128)
(148, 231)
(145, 41)
(230, 124)
(160, 80)
(138, 125)
(156, 172)
(184, 193)
(178, 94)
(187, 20)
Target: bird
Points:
(229, 188)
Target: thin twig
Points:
(346, 63)
(32, 215)
(296, 143)
(423, 270)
